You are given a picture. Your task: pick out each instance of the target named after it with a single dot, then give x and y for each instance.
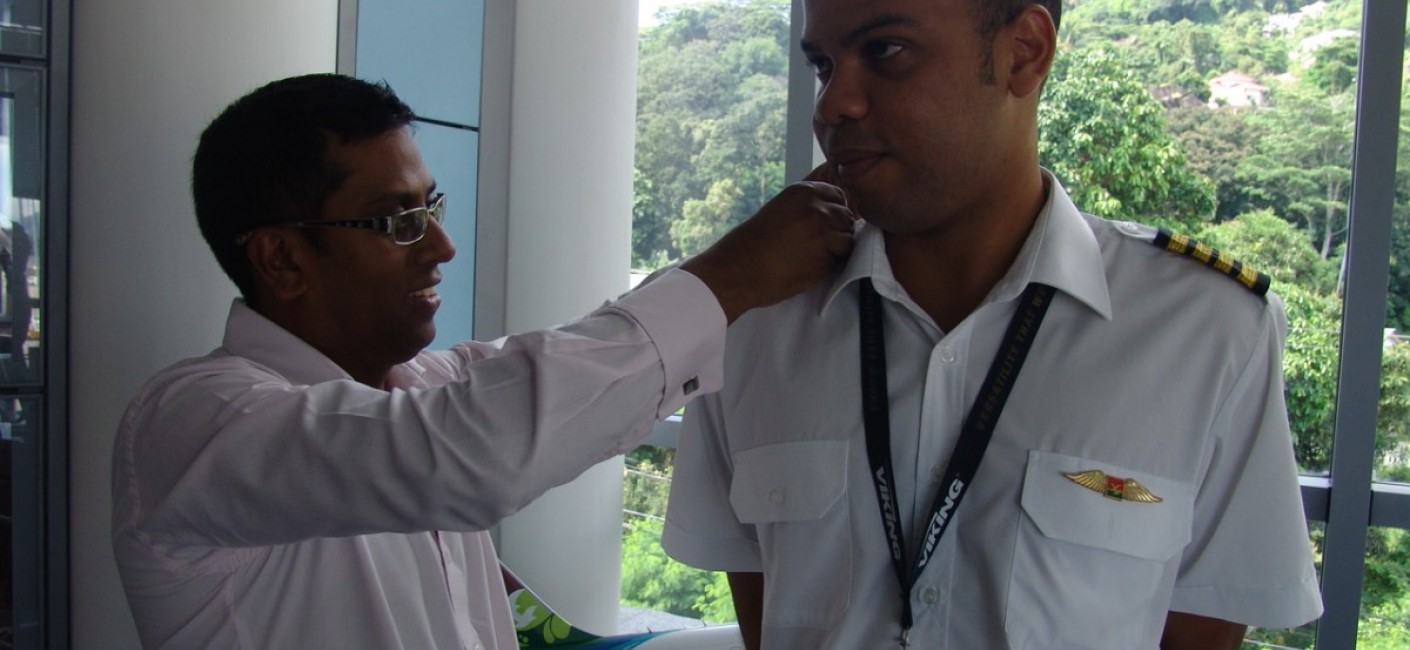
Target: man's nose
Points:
(841, 98)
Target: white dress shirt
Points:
(264, 500)
(1148, 366)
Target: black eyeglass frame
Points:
(417, 218)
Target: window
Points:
(1243, 123)
(712, 135)
(33, 515)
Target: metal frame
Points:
(492, 209)
(1363, 317)
(347, 37)
(48, 547)
(56, 323)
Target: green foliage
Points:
(1302, 166)
(1398, 307)
(646, 484)
(1216, 140)
(1305, 281)
(1393, 413)
(1104, 137)
(1385, 604)
(1333, 69)
(651, 579)
(711, 110)
(1275, 247)
(1310, 365)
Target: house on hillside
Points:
(1236, 89)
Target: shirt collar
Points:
(250, 335)
(1060, 251)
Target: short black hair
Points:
(264, 159)
(994, 14)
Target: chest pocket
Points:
(1092, 570)
(794, 494)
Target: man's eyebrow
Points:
(398, 198)
(880, 22)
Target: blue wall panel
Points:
(428, 50)
(452, 155)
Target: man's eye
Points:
(819, 65)
(882, 49)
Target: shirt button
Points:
(930, 596)
(777, 497)
(947, 355)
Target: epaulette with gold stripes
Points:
(1255, 281)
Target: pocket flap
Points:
(1065, 510)
(790, 481)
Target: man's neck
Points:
(949, 271)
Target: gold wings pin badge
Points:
(1111, 487)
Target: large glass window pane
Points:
(21, 215)
(1385, 598)
(1393, 420)
(22, 27)
(1232, 122)
(712, 94)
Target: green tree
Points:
(1104, 137)
(711, 98)
(1398, 307)
(1304, 281)
(1215, 141)
(651, 579)
(1302, 168)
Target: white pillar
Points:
(145, 291)
(568, 249)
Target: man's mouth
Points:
(852, 165)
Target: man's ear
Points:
(275, 256)
(1032, 41)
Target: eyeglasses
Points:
(405, 228)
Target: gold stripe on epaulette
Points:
(1211, 257)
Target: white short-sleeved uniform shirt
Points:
(1148, 366)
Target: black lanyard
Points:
(974, 438)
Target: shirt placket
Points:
(944, 402)
(453, 568)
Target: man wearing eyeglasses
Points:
(322, 481)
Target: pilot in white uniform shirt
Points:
(1149, 370)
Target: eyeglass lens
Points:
(410, 226)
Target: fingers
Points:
(826, 173)
(791, 244)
